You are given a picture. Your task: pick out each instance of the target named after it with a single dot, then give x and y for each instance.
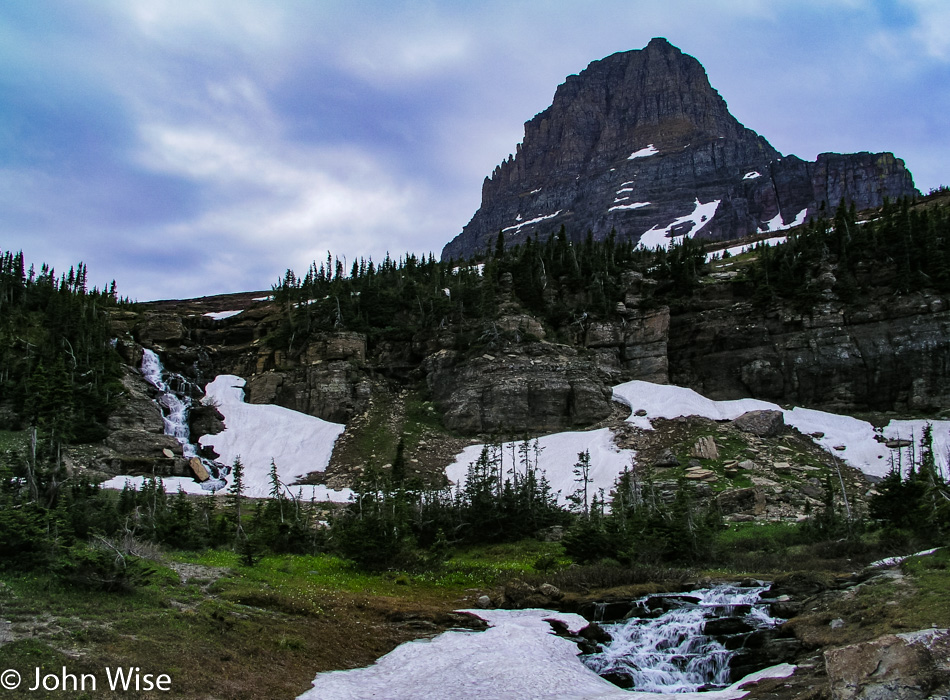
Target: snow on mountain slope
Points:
(298, 443)
(558, 454)
(854, 441)
(517, 658)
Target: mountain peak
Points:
(640, 143)
(659, 43)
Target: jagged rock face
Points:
(887, 355)
(640, 141)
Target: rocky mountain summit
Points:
(640, 143)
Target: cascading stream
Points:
(176, 413)
(670, 653)
(175, 416)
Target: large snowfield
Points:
(517, 658)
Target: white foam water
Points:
(670, 653)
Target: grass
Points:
(12, 439)
(884, 605)
(234, 631)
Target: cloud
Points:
(191, 148)
(932, 29)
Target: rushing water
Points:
(670, 653)
(175, 406)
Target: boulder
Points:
(198, 469)
(761, 423)
(911, 666)
(595, 633)
(705, 448)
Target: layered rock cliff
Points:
(640, 143)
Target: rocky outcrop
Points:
(640, 143)
(911, 666)
(547, 388)
(884, 355)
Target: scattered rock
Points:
(699, 474)
(550, 591)
(484, 602)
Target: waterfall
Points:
(670, 653)
(175, 406)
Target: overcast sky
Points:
(194, 147)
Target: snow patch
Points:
(268, 298)
(297, 443)
(751, 176)
(171, 484)
(221, 315)
(740, 249)
(643, 152)
(530, 221)
(701, 215)
(633, 205)
(517, 658)
(558, 454)
(857, 439)
(894, 561)
(776, 223)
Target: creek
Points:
(682, 642)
